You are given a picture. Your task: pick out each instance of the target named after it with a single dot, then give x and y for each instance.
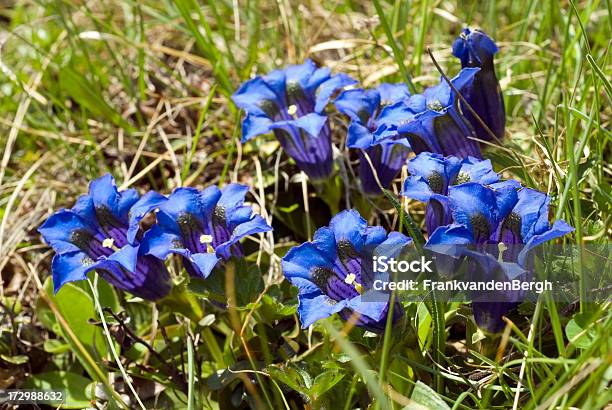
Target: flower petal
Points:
(255, 95)
(349, 226)
(506, 198)
(69, 267)
(416, 187)
(375, 235)
(84, 208)
(359, 136)
(204, 263)
(325, 241)
(464, 78)
(232, 196)
(558, 229)
(126, 257)
(104, 193)
(301, 74)
(392, 93)
(255, 225)
(302, 260)
(477, 170)
(358, 104)
(316, 306)
(311, 123)
(439, 97)
(188, 201)
(475, 206)
(437, 171)
(146, 204)
(474, 48)
(450, 240)
(329, 88)
(254, 125)
(59, 231)
(160, 243)
(393, 116)
(372, 304)
(532, 208)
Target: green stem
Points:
(386, 339)
(436, 309)
(213, 346)
(397, 53)
(190, 362)
(330, 191)
(110, 341)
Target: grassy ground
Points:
(141, 89)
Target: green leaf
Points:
(406, 220)
(56, 346)
(88, 96)
(288, 209)
(602, 76)
(45, 314)
(397, 54)
(579, 331)
(477, 336)
(183, 299)
(17, 359)
(271, 309)
(290, 376)
(73, 385)
(248, 283)
(106, 294)
(324, 382)
(77, 306)
(424, 396)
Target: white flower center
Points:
(502, 248)
(292, 110)
(206, 239)
(435, 105)
(108, 242)
(351, 280)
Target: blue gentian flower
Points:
(476, 49)
(502, 213)
(438, 125)
(432, 174)
(369, 116)
(331, 272)
(203, 227)
(95, 235)
(291, 103)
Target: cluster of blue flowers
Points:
(386, 123)
(104, 232)
(472, 214)
(468, 206)
(468, 210)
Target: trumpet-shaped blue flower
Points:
(438, 124)
(95, 234)
(332, 274)
(291, 103)
(203, 227)
(432, 174)
(502, 213)
(370, 117)
(476, 49)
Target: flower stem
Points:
(213, 346)
(329, 191)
